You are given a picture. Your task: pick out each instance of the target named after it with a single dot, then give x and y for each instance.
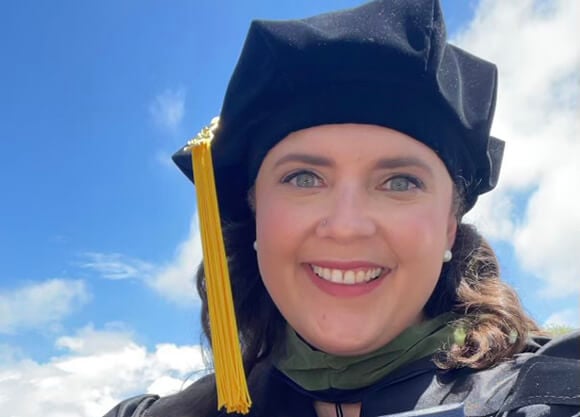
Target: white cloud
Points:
(536, 208)
(88, 341)
(116, 266)
(548, 240)
(38, 305)
(569, 317)
(174, 280)
(87, 380)
(168, 108)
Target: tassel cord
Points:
(231, 383)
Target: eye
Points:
(303, 179)
(402, 183)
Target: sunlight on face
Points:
(352, 222)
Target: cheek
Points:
(274, 219)
(417, 239)
(419, 233)
(281, 229)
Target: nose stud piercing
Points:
(323, 222)
(447, 256)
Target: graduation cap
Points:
(385, 63)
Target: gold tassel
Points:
(232, 388)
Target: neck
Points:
(317, 371)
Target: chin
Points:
(343, 347)
(345, 340)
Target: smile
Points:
(347, 276)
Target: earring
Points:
(447, 256)
(255, 245)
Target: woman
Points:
(348, 149)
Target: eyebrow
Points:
(383, 163)
(393, 163)
(306, 159)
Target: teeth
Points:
(347, 277)
(336, 276)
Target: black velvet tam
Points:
(386, 63)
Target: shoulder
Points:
(133, 407)
(548, 383)
(197, 400)
(545, 382)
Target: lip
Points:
(342, 290)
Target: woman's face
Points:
(352, 222)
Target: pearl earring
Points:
(255, 245)
(447, 256)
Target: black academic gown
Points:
(544, 381)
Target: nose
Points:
(348, 216)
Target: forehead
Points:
(354, 142)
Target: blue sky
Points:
(96, 225)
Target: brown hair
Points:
(495, 324)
